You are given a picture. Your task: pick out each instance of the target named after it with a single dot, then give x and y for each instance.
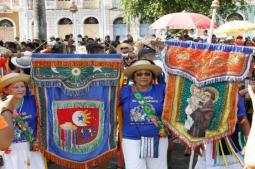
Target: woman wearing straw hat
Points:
(19, 155)
(144, 136)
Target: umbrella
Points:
(182, 20)
(234, 27)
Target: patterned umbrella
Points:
(182, 20)
(235, 27)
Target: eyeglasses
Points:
(139, 74)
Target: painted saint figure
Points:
(203, 115)
(195, 102)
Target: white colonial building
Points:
(95, 18)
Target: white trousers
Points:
(21, 157)
(131, 151)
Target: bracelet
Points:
(6, 110)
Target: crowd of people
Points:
(141, 98)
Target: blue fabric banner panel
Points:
(77, 107)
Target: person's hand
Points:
(10, 103)
(199, 149)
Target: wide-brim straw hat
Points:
(23, 62)
(10, 78)
(142, 65)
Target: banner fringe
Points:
(76, 91)
(78, 165)
(193, 145)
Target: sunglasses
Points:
(129, 58)
(139, 74)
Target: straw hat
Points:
(142, 65)
(23, 62)
(10, 78)
(122, 46)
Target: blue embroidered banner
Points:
(77, 98)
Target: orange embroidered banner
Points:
(201, 93)
(207, 63)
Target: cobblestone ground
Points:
(179, 161)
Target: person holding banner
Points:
(6, 124)
(144, 139)
(249, 158)
(19, 155)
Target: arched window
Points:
(65, 21)
(91, 20)
(235, 16)
(91, 27)
(6, 23)
(65, 27)
(119, 21)
(120, 28)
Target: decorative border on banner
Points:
(79, 165)
(40, 100)
(39, 63)
(90, 146)
(209, 48)
(75, 62)
(75, 92)
(171, 110)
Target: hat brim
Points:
(14, 61)
(123, 45)
(8, 81)
(156, 70)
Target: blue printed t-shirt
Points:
(27, 111)
(241, 107)
(135, 121)
(241, 112)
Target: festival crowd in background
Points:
(144, 75)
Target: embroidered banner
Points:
(201, 92)
(77, 98)
(207, 63)
(199, 115)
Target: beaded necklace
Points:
(21, 123)
(163, 132)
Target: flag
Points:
(77, 102)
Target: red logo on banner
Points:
(78, 124)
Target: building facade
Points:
(94, 18)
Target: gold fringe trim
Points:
(74, 63)
(78, 165)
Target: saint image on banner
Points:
(200, 110)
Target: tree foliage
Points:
(152, 9)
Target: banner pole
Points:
(191, 159)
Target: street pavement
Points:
(178, 161)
